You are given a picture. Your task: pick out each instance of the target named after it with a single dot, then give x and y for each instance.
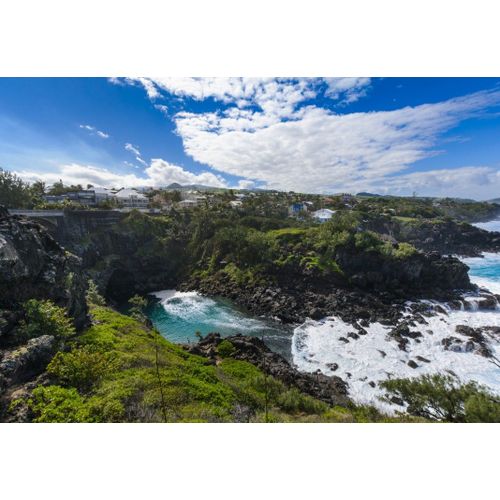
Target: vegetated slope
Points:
(119, 370)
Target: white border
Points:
(249, 38)
(248, 461)
(261, 37)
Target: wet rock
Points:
(488, 302)
(422, 359)
(343, 339)
(353, 335)
(412, 364)
(456, 345)
(332, 366)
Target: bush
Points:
(444, 398)
(81, 368)
(137, 305)
(43, 317)
(294, 401)
(225, 349)
(93, 296)
(368, 241)
(58, 404)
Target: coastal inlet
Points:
(179, 316)
(335, 348)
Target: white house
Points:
(130, 198)
(187, 204)
(236, 203)
(102, 194)
(323, 214)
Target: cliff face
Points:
(124, 254)
(446, 237)
(33, 266)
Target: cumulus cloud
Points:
(93, 131)
(274, 96)
(159, 173)
(321, 151)
(480, 182)
(347, 90)
(246, 184)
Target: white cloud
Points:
(477, 182)
(348, 90)
(133, 149)
(246, 184)
(317, 150)
(274, 96)
(159, 173)
(162, 108)
(141, 161)
(93, 130)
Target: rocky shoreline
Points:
(329, 389)
(295, 301)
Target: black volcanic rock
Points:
(331, 390)
(33, 266)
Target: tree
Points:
(93, 296)
(444, 398)
(137, 305)
(14, 192)
(43, 317)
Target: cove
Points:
(178, 316)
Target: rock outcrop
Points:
(32, 266)
(331, 390)
(444, 236)
(374, 288)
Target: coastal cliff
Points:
(33, 268)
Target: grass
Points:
(120, 370)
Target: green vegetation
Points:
(444, 398)
(42, 317)
(15, 193)
(92, 295)
(121, 371)
(137, 305)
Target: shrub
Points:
(444, 398)
(81, 368)
(137, 305)
(367, 241)
(58, 404)
(225, 349)
(294, 401)
(404, 250)
(43, 317)
(93, 296)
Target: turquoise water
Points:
(179, 315)
(485, 271)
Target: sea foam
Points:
(374, 357)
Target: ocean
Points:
(363, 362)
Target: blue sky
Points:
(433, 136)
